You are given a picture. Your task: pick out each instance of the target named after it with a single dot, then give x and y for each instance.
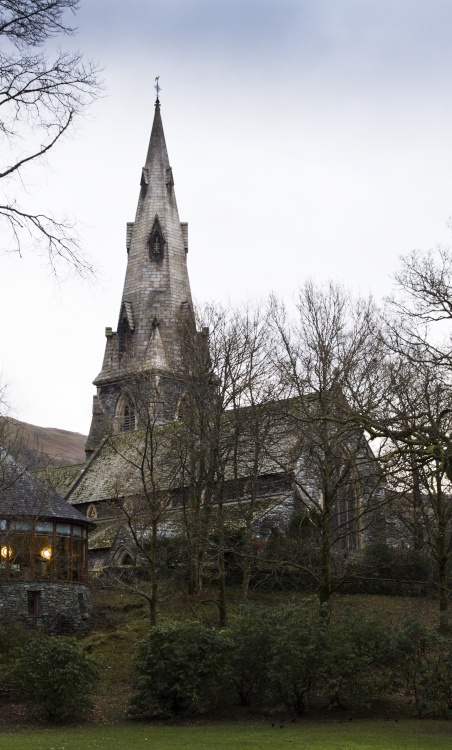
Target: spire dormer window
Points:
(156, 241)
(126, 327)
(125, 335)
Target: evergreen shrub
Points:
(396, 563)
(289, 659)
(422, 667)
(56, 677)
(252, 635)
(183, 668)
(356, 660)
(12, 636)
(296, 656)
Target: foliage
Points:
(396, 563)
(296, 656)
(182, 668)
(423, 667)
(252, 633)
(284, 658)
(11, 637)
(356, 659)
(56, 677)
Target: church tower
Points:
(156, 304)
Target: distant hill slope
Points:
(37, 446)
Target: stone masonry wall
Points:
(63, 607)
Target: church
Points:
(137, 457)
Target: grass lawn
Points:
(305, 735)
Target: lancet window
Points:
(128, 418)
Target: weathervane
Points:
(157, 88)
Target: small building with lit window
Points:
(43, 555)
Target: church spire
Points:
(156, 294)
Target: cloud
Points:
(350, 43)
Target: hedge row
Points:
(290, 659)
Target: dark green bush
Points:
(290, 658)
(296, 656)
(422, 666)
(377, 558)
(56, 677)
(11, 638)
(252, 634)
(438, 691)
(357, 659)
(183, 668)
(396, 563)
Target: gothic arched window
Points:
(125, 416)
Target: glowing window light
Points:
(6, 552)
(46, 553)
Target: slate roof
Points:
(114, 469)
(104, 534)
(60, 478)
(22, 494)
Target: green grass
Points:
(330, 735)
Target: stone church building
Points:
(147, 347)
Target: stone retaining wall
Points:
(55, 606)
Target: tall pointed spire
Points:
(156, 293)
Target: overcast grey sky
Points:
(308, 138)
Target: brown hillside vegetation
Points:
(37, 446)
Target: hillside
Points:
(121, 622)
(43, 445)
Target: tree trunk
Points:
(154, 584)
(222, 605)
(221, 569)
(418, 539)
(246, 568)
(443, 583)
(325, 574)
(196, 571)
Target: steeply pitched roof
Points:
(115, 469)
(24, 495)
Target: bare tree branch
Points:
(40, 101)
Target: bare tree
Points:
(146, 480)
(12, 466)
(421, 464)
(40, 100)
(324, 355)
(413, 414)
(227, 377)
(422, 300)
